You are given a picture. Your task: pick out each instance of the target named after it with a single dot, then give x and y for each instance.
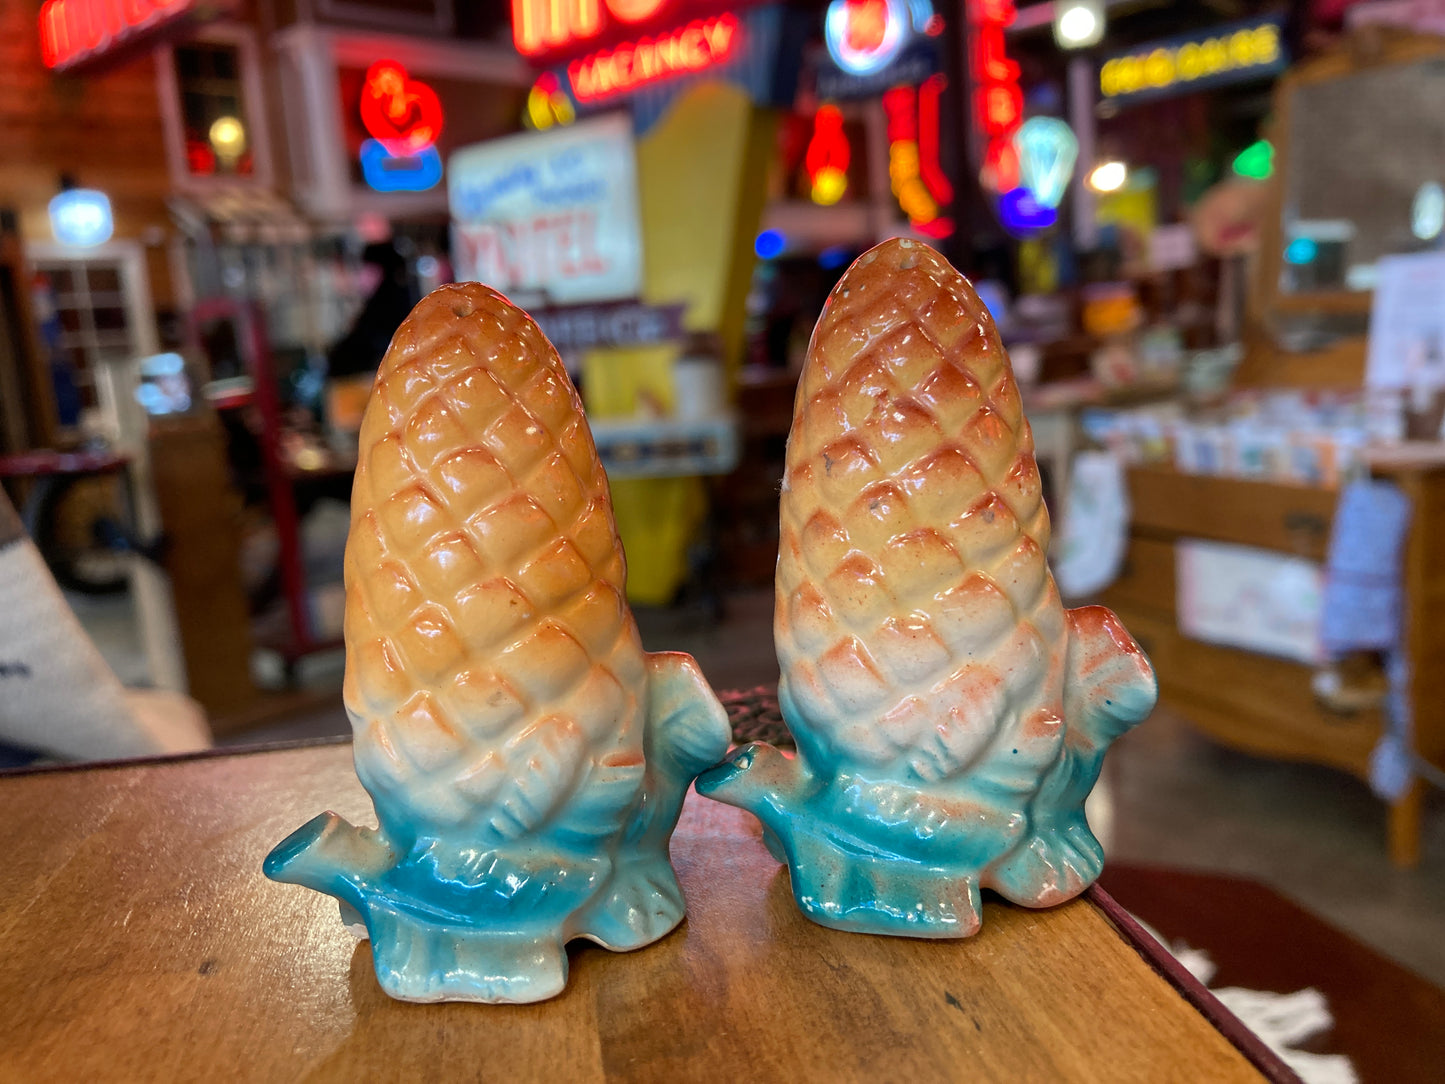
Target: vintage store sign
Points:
(550, 217)
(1233, 53)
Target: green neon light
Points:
(1256, 161)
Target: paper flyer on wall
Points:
(1407, 323)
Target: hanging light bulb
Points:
(228, 138)
(1108, 176)
(1046, 148)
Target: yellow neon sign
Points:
(1170, 66)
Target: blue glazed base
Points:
(500, 937)
(892, 855)
(872, 856)
(459, 917)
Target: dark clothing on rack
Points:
(362, 348)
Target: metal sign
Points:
(550, 217)
(624, 323)
(666, 447)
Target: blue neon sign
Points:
(414, 173)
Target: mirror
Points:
(1364, 176)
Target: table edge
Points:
(163, 759)
(1270, 1064)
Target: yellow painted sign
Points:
(1248, 50)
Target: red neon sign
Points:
(548, 26)
(914, 171)
(73, 31)
(929, 166)
(635, 11)
(828, 155)
(541, 25)
(403, 114)
(998, 101)
(701, 44)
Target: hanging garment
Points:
(1096, 526)
(1364, 606)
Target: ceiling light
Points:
(1078, 23)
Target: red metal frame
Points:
(280, 495)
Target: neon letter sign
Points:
(702, 43)
(539, 25)
(929, 166)
(73, 31)
(998, 100)
(634, 11)
(546, 26)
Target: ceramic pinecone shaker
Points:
(950, 715)
(527, 760)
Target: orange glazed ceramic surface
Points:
(950, 715)
(527, 759)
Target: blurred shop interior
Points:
(1212, 235)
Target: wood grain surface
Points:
(1248, 512)
(141, 942)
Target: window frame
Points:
(248, 54)
(130, 262)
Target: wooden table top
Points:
(142, 942)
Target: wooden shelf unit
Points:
(1256, 703)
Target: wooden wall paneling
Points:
(201, 519)
(25, 385)
(103, 129)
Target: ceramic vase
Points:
(526, 758)
(950, 715)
